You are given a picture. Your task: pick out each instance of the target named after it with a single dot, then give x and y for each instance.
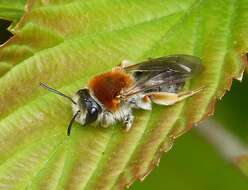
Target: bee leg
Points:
(166, 98)
(141, 102)
(107, 119)
(145, 103)
(126, 63)
(128, 121)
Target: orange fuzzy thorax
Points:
(107, 86)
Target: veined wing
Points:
(164, 74)
(181, 63)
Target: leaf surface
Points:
(11, 10)
(64, 43)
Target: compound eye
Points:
(91, 115)
(93, 111)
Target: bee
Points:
(111, 97)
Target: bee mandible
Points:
(110, 97)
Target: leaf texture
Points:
(11, 10)
(64, 43)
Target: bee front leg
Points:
(128, 121)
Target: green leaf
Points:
(11, 10)
(64, 43)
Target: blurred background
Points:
(196, 161)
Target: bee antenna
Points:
(71, 122)
(43, 85)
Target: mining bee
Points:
(111, 96)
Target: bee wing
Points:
(164, 74)
(181, 63)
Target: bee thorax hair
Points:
(108, 86)
(123, 114)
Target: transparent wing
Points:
(164, 74)
(181, 63)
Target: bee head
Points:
(87, 106)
